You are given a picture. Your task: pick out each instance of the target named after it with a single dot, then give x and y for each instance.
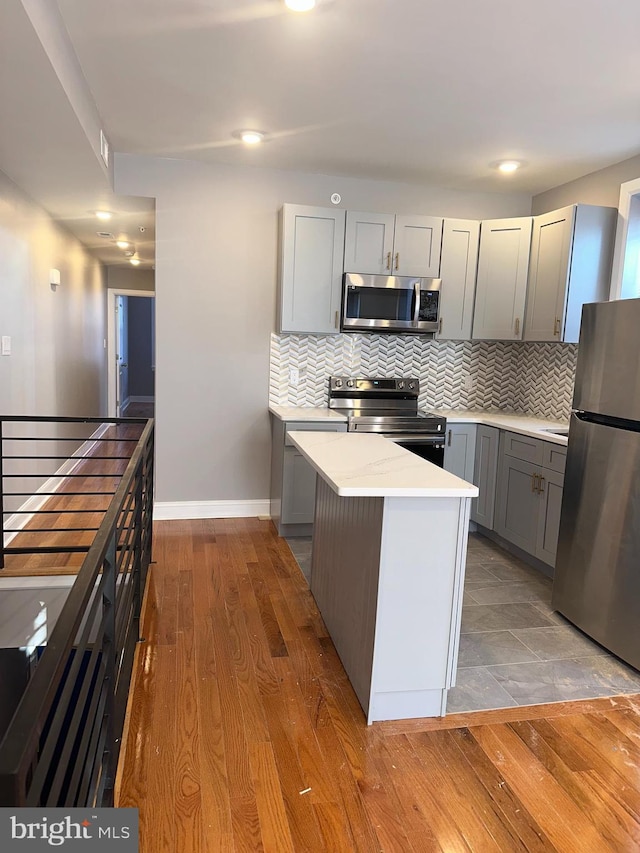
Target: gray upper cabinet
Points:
(388, 244)
(501, 287)
(368, 243)
(311, 257)
(458, 268)
(571, 255)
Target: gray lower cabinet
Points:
(529, 494)
(485, 474)
(460, 450)
(293, 480)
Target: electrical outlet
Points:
(294, 376)
(6, 345)
(467, 382)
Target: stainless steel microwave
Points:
(390, 303)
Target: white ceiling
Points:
(426, 91)
(413, 90)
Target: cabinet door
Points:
(368, 243)
(417, 244)
(484, 476)
(312, 250)
(517, 503)
(549, 274)
(298, 488)
(502, 279)
(549, 515)
(459, 451)
(458, 268)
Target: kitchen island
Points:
(387, 569)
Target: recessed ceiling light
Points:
(134, 261)
(129, 253)
(123, 244)
(300, 5)
(508, 166)
(103, 214)
(250, 137)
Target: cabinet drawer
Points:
(554, 456)
(305, 426)
(521, 447)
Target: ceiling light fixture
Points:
(508, 166)
(300, 5)
(123, 244)
(134, 261)
(249, 137)
(103, 214)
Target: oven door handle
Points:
(415, 439)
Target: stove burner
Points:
(383, 405)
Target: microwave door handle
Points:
(416, 298)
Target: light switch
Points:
(6, 345)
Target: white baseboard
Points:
(165, 510)
(19, 520)
(140, 399)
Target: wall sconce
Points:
(54, 278)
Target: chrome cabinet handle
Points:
(449, 439)
(389, 260)
(556, 326)
(541, 482)
(517, 325)
(397, 260)
(337, 323)
(440, 326)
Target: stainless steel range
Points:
(389, 407)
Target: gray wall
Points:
(216, 300)
(602, 187)
(58, 365)
(141, 379)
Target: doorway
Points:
(131, 353)
(625, 278)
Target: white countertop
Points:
(512, 421)
(368, 465)
(304, 413)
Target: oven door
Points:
(379, 303)
(429, 447)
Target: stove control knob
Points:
(412, 385)
(338, 383)
(401, 385)
(349, 383)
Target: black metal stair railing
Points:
(62, 744)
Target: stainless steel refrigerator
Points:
(597, 576)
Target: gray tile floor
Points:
(514, 649)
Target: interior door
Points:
(122, 355)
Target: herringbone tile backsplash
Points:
(536, 378)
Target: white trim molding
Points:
(112, 294)
(172, 510)
(622, 272)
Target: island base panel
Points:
(387, 576)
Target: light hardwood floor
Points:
(243, 732)
(64, 525)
